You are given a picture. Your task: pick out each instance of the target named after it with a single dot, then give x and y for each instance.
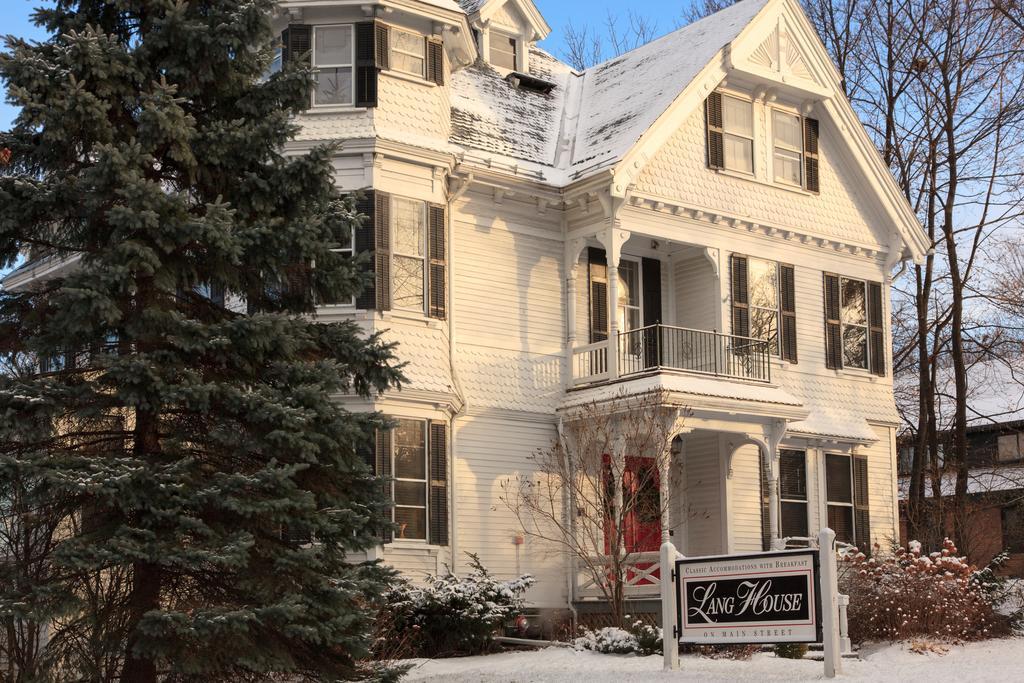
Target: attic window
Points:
(504, 51)
(530, 83)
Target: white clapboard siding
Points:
(745, 500)
(696, 291)
(493, 450)
(702, 494)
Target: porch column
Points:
(773, 437)
(612, 240)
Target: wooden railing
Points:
(643, 576)
(590, 363)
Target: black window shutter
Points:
(876, 330)
(787, 282)
(438, 483)
(382, 51)
(740, 296)
(366, 67)
(811, 129)
(382, 250)
(766, 527)
(435, 61)
(597, 277)
(366, 241)
(793, 493)
(296, 43)
(383, 470)
(367, 453)
(715, 131)
(833, 329)
(652, 291)
(438, 262)
(861, 507)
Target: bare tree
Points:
(598, 493)
(587, 45)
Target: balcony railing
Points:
(663, 347)
(678, 348)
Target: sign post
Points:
(785, 596)
(669, 646)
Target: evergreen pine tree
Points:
(188, 439)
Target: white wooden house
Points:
(704, 215)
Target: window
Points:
(793, 493)
(738, 124)
(333, 53)
(629, 295)
(854, 321)
(1013, 528)
(1010, 447)
(839, 490)
(763, 292)
(504, 51)
(408, 52)
(346, 247)
(410, 468)
(410, 235)
(787, 159)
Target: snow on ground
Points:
(992, 661)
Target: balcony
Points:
(658, 348)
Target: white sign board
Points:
(766, 598)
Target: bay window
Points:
(410, 236)
(410, 486)
(333, 57)
(408, 52)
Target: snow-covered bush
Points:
(910, 594)
(449, 615)
(640, 638)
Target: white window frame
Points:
(777, 351)
(423, 257)
(726, 134)
(425, 481)
(777, 145)
(395, 50)
(517, 47)
(639, 306)
(347, 251)
(351, 65)
(806, 501)
(866, 326)
(853, 492)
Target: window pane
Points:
(407, 64)
(410, 226)
(738, 116)
(629, 283)
(855, 347)
(787, 167)
(838, 484)
(854, 312)
(787, 130)
(503, 50)
(739, 154)
(412, 523)
(793, 475)
(840, 520)
(410, 450)
(763, 283)
(410, 493)
(764, 324)
(794, 519)
(333, 86)
(404, 41)
(407, 283)
(333, 46)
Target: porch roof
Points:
(834, 424)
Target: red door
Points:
(641, 525)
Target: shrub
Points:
(909, 594)
(449, 616)
(736, 652)
(791, 650)
(639, 638)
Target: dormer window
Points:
(504, 51)
(408, 52)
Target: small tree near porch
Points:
(600, 492)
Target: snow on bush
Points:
(911, 594)
(449, 615)
(640, 638)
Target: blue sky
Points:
(14, 20)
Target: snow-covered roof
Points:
(986, 480)
(622, 98)
(445, 4)
(834, 424)
(596, 116)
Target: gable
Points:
(844, 211)
(782, 56)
